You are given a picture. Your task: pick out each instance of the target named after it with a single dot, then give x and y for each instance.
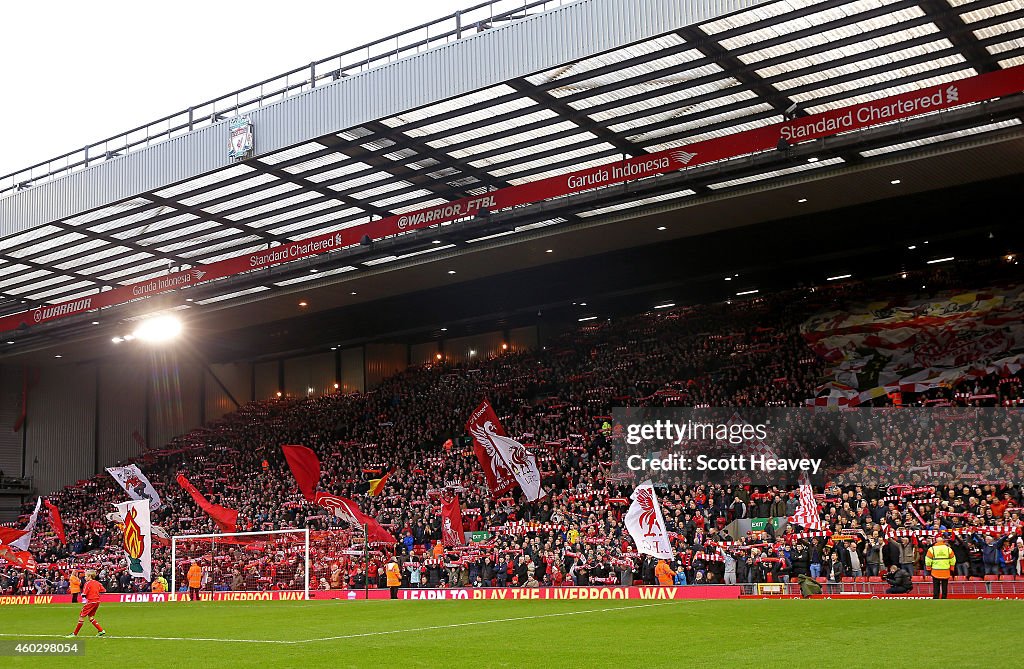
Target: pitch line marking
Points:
(148, 638)
(358, 635)
(478, 622)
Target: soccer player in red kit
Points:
(91, 600)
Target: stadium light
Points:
(157, 330)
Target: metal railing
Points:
(453, 27)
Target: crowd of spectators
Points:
(558, 399)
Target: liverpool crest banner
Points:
(136, 484)
(646, 524)
(504, 460)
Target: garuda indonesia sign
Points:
(240, 138)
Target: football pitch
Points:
(564, 634)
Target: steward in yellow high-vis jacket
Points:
(940, 560)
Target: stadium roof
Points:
(727, 72)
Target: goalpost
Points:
(256, 561)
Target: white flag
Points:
(136, 484)
(513, 456)
(21, 543)
(646, 524)
(807, 513)
(138, 538)
(521, 462)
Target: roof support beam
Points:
(441, 187)
(204, 215)
(577, 117)
(960, 34)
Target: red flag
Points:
(347, 510)
(22, 559)
(499, 478)
(451, 523)
(9, 535)
(226, 519)
(55, 521)
(503, 459)
(305, 467)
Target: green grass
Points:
(721, 634)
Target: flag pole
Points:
(366, 562)
(307, 563)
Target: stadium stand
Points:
(745, 353)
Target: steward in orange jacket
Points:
(664, 573)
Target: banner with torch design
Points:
(138, 540)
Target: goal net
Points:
(297, 560)
(276, 560)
